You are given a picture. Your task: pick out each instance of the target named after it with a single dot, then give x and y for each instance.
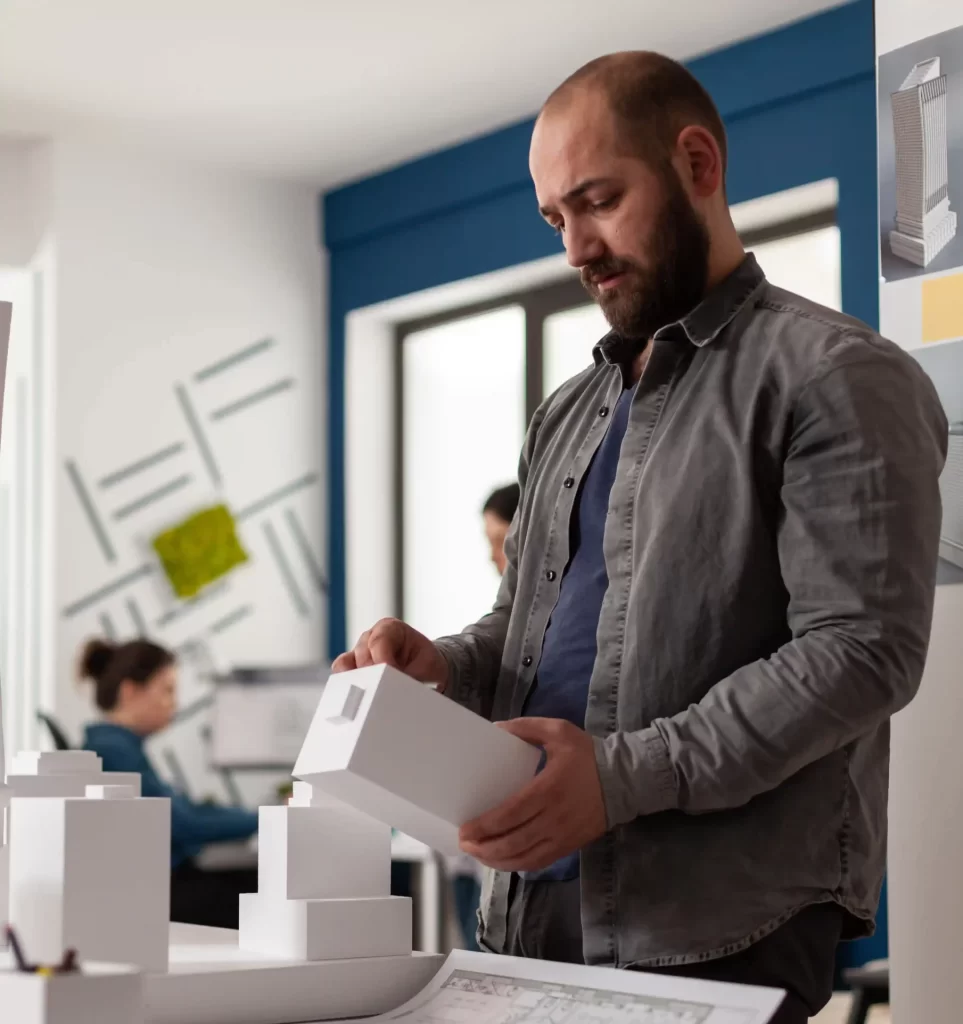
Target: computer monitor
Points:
(260, 716)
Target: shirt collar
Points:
(704, 324)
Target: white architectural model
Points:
(406, 755)
(324, 885)
(102, 994)
(93, 874)
(925, 224)
(63, 773)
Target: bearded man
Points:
(719, 581)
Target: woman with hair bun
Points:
(135, 687)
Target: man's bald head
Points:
(652, 98)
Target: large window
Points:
(469, 381)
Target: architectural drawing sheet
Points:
(478, 988)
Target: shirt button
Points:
(604, 411)
(527, 660)
(568, 482)
(550, 575)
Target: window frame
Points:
(539, 304)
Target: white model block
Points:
(101, 994)
(55, 762)
(316, 853)
(410, 757)
(69, 785)
(303, 794)
(325, 929)
(92, 875)
(110, 793)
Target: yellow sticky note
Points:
(943, 308)
(200, 550)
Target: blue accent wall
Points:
(799, 105)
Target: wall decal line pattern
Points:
(238, 615)
(147, 462)
(153, 496)
(275, 496)
(83, 496)
(199, 436)
(248, 400)
(107, 625)
(301, 542)
(137, 617)
(232, 360)
(108, 590)
(284, 567)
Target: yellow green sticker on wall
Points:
(200, 550)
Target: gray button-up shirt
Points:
(771, 550)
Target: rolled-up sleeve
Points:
(858, 543)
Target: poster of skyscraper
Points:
(921, 157)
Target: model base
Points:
(922, 251)
(212, 980)
(325, 929)
(101, 994)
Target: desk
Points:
(432, 880)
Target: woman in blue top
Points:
(135, 686)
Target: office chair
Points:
(57, 734)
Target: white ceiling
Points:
(319, 90)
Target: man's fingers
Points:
(344, 662)
(538, 856)
(362, 652)
(512, 813)
(515, 843)
(383, 648)
(540, 732)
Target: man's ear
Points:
(701, 160)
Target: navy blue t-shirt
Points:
(569, 648)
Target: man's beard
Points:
(671, 286)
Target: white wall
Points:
(24, 200)
(161, 272)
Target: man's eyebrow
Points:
(575, 193)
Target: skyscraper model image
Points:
(925, 224)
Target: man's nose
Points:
(582, 246)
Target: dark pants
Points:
(544, 922)
(209, 897)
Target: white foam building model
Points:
(324, 885)
(407, 756)
(100, 994)
(92, 873)
(57, 773)
(925, 224)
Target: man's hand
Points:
(392, 642)
(557, 813)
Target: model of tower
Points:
(925, 224)
(324, 885)
(92, 873)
